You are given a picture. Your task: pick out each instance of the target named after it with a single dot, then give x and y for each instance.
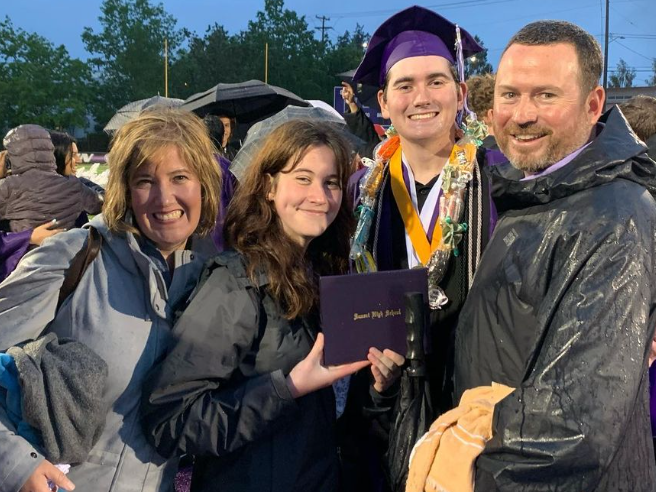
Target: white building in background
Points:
(618, 95)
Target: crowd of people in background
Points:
(164, 332)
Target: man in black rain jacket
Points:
(562, 306)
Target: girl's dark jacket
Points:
(221, 393)
(563, 309)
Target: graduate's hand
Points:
(652, 354)
(38, 481)
(311, 375)
(385, 367)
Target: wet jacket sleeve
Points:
(196, 400)
(28, 300)
(588, 374)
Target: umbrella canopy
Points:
(133, 109)
(259, 131)
(248, 101)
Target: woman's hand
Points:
(385, 366)
(311, 375)
(652, 354)
(44, 231)
(38, 481)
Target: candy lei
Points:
(457, 173)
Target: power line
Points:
(463, 4)
(634, 51)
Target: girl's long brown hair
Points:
(253, 228)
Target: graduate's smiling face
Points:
(422, 98)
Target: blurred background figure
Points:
(67, 158)
(33, 192)
(230, 144)
(480, 97)
(359, 123)
(640, 112)
(14, 245)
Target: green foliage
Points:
(623, 76)
(478, 64)
(39, 82)
(128, 53)
(296, 60)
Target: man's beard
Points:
(529, 162)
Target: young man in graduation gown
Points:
(412, 57)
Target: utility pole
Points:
(166, 67)
(266, 63)
(323, 27)
(606, 41)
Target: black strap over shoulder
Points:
(79, 265)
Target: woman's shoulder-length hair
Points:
(139, 140)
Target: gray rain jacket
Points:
(35, 193)
(123, 311)
(221, 392)
(563, 308)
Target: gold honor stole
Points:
(411, 220)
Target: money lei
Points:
(457, 173)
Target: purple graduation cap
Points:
(415, 31)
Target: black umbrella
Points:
(248, 101)
(413, 412)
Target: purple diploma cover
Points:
(366, 310)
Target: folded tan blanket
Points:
(443, 459)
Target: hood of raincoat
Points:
(30, 147)
(611, 156)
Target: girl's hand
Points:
(310, 374)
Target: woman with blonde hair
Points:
(161, 202)
(244, 388)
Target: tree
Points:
(623, 76)
(39, 82)
(207, 61)
(346, 53)
(294, 54)
(477, 64)
(128, 53)
(652, 81)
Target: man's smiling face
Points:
(541, 111)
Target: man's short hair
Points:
(640, 112)
(480, 94)
(588, 51)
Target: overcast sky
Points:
(632, 22)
